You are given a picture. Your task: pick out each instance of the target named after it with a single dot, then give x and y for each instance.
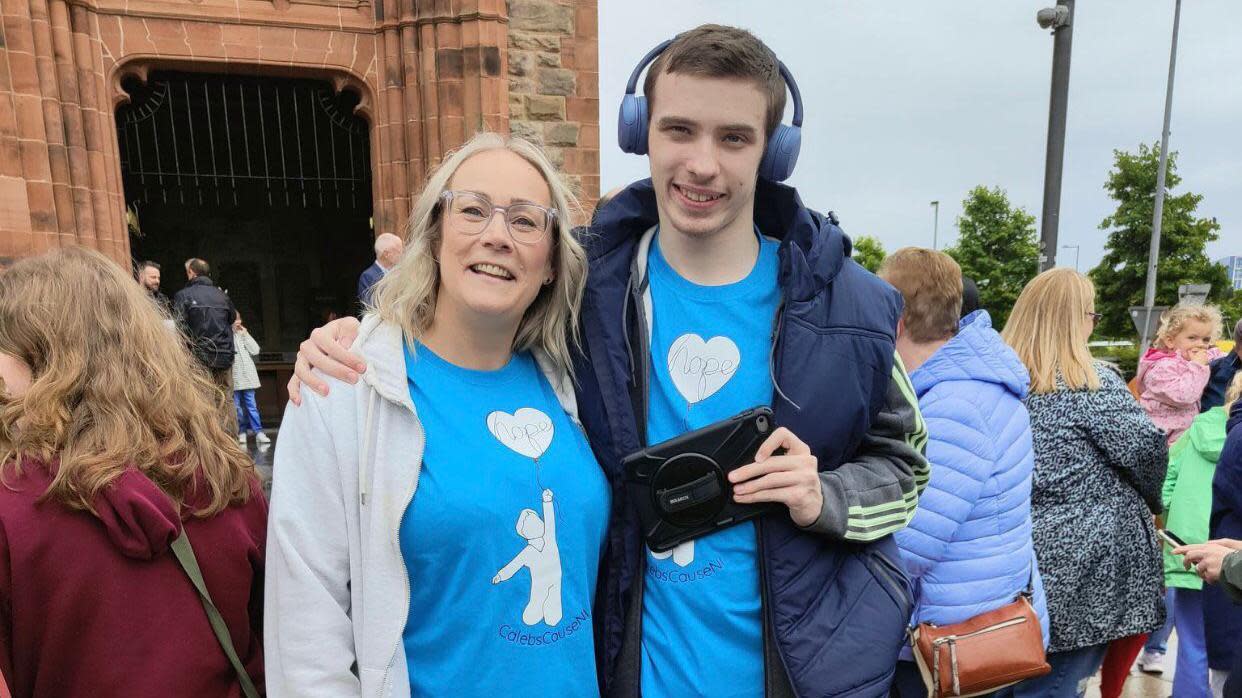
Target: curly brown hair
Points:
(113, 388)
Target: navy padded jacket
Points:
(836, 601)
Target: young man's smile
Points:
(697, 198)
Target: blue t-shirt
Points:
(503, 537)
(710, 345)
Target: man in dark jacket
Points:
(1222, 371)
(206, 314)
(712, 291)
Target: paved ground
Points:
(1139, 685)
(262, 456)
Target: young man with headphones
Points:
(713, 290)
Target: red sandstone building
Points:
(274, 138)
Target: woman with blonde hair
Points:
(442, 520)
(1099, 467)
(116, 467)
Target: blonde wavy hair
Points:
(1174, 319)
(1047, 330)
(1234, 392)
(113, 388)
(406, 296)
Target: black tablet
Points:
(680, 486)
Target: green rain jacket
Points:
(1187, 493)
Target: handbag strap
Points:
(185, 557)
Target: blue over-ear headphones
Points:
(779, 157)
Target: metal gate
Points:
(194, 138)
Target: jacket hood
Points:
(1207, 433)
(975, 353)
(1149, 359)
(812, 251)
(139, 519)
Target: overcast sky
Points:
(909, 102)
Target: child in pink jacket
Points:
(1173, 373)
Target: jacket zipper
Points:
(837, 329)
(409, 497)
(644, 347)
(765, 608)
(885, 569)
(981, 631)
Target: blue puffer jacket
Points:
(968, 549)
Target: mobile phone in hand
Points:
(1171, 538)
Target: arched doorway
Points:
(268, 180)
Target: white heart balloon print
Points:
(700, 368)
(527, 431)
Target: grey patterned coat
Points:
(1099, 466)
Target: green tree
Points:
(997, 247)
(1231, 309)
(868, 252)
(1121, 276)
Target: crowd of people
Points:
(451, 507)
(212, 328)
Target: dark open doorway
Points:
(269, 180)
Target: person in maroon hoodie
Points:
(111, 444)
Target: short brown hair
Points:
(931, 284)
(717, 51)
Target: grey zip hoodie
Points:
(345, 470)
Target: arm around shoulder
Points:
(308, 623)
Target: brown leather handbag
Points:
(983, 654)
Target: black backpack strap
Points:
(185, 557)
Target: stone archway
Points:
(268, 179)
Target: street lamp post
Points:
(1153, 253)
(935, 223)
(1060, 20)
(1066, 247)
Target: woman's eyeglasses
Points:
(470, 213)
(1095, 317)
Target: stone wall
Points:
(430, 74)
(554, 85)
